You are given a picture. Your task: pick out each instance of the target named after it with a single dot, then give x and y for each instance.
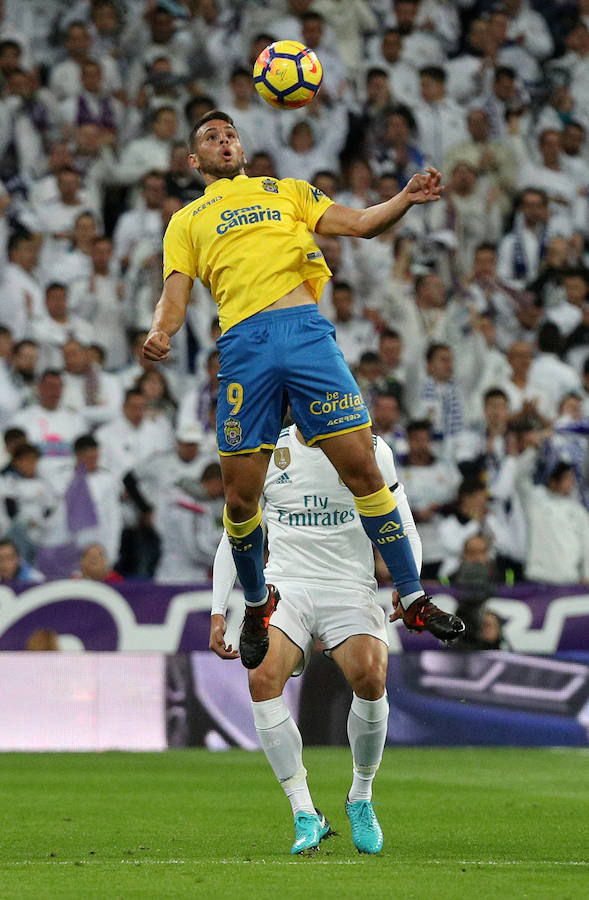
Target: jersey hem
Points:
(321, 437)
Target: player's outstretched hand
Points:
(157, 346)
(397, 612)
(217, 639)
(425, 188)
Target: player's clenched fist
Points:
(157, 346)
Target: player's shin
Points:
(247, 547)
(382, 523)
(281, 741)
(367, 731)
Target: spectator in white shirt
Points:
(430, 484)
(550, 176)
(522, 250)
(145, 154)
(74, 265)
(50, 427)
(21, 296)
(191, 526)
(549, 375)
(441, 122)
(558, 523)
(145, 221)
(402, 76)
(66, 77)
(87, 389)
(57, 326)
(528, 28)
(99, 298)
(354, 334)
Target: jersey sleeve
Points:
(179, 254)
(311, 203)
(385, 462)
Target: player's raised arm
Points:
(367, 223)
(168, 316)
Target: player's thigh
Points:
(352, 456)
(250, 401)
(282, 658)
(243, 478)
(323, 393)
(363, 660)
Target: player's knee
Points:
(369, 681)
(362, 476)
(242, 502)
(265, 683)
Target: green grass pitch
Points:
(491, 823)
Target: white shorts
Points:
(328, 612)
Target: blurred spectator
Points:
(440, 121)
(439, 400)
(52, 330)
(88, 390)
(385, 413)
(144, 154)
(21, 296)
(13, 568)
(354, 334)
(191, 527)
(50, 427)
(94, 565)
(471, 516)
(431, 485)
(558, 524)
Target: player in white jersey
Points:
(321, 561)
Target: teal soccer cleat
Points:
(366, 831)
(310, 830)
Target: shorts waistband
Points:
(289, 312)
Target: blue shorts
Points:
(287, 355)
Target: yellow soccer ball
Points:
(287, 74)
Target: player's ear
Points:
(194, 161)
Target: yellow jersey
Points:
(249, 241)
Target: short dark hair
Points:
(18, 238)
(132, 392)
(504, 72)
(207, 117)
(419, 425)
(550, 338)
(213, 470)
(561, 468)
(436, 73)
(25, 450)
(472, 484)
(389, 333)
(532, 190)
(50, 373)
(14, 434)
(486, 245)
(55, 286)
(85, 442)
(494, 392)
(434, 348)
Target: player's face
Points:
(218, 150)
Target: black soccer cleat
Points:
(254, 640)
(423, 615)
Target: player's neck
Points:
(209, 178)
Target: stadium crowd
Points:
(467, 324)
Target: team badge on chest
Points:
(233, 432)
(270, 185)
(282, 457)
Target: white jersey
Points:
(314, 530)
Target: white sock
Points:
(367, 731)
(282, 743)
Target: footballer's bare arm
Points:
(168, 316)
(367, 223)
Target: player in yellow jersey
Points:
(250, 240)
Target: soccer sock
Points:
(247, 547)
(282, 743)
(367, 731)
(382, 523)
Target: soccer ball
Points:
(287, 74)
